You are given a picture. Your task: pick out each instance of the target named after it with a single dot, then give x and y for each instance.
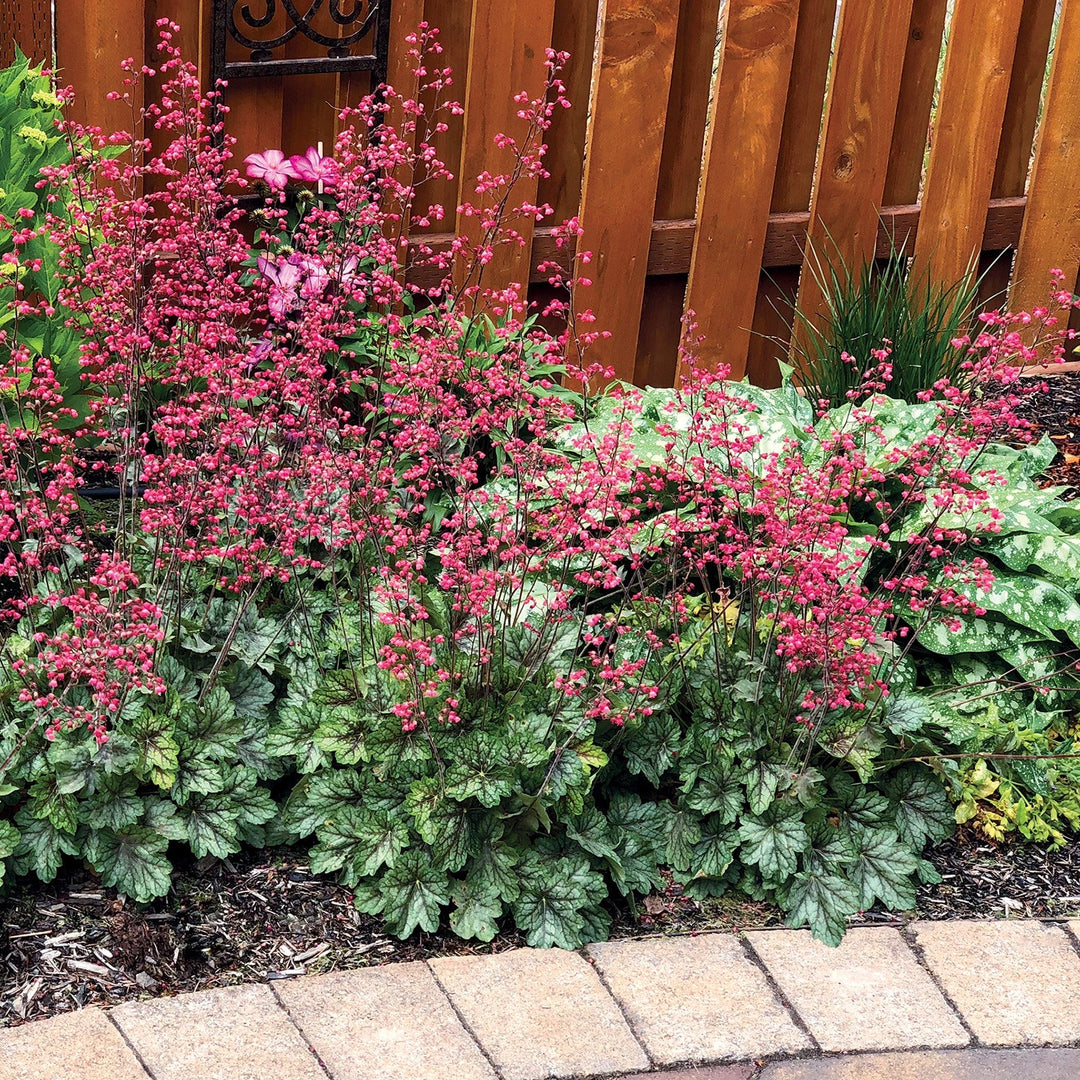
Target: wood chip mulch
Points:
(263, 916)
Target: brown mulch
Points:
(1057, 414)
(263, 916)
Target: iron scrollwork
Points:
(359, 20)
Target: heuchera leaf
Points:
(476, 911)
(152, 735)
(650, 747)
(553, 894)
(823, 901)
(414, 892)
(132, 861)
(718, 791)
(358, 842)
(774, 840)
(882, 868)
(41, 846)
(922, 810)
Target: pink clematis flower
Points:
(296, 278)
(271, 166)
(313, 168)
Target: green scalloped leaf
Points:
(132, 861)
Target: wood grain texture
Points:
(671, 243)
(804, 104)
(1050, 238)
(960, 173)
(574, 31)
(453, 19)
(854, 155)
(911, 129)
(1025, 91)
(508, 43)
(624, 141)
(748, 95)
(91, 42)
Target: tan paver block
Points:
(385, 1023)
(696, 999)
(540, 1013)
(867, 994)
(935, 1065)
(235, 1033)
(76, 1046)
(1015, 983)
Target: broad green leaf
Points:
(211, 728)
(251, 691)
(823, 901)
(476, 912)
(684, 831)
(152, 735)
(358, 842)
(553, 894)
(718, 791)
(715, 850)
(321, 795)
(493, 864)
(480, 771)
(48, 802)
(294, 735)
(342, 734)
(41, 846)
(414, 893)
(882, 868)
(132, 861)
(763, 782)
(590, 829)
(115, 805)
(922, 810)
(652, 745)
(211, 827)
(774, 840)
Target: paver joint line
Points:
(131, 1046)
(618, 1005)
(909, 939)
(463, 1022)
(303, 1034)
(774, 986)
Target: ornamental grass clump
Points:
(506, 651)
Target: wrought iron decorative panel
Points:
(263, 27)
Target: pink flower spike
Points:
(271, 166)
(313, 168)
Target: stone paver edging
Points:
(948, 1001)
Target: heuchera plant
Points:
(374, 574)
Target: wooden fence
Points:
(709, 140)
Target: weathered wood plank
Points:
(850, 174)
(624, 141)
(1050, 239)
(960, 173)
(737, 177)
(916, 99)
(508, 44)
(1025, 91)
(671, 242)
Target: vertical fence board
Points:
(915, 102)
(28, 24)
(453, 20)
(974, 89)
(574, 32)
(677, 186)
(624, 140)
(854, 155)
(508, 42)
(1050, 238)
(794, 175)
(91, 42)
(737, 176)
(803, 106)
(1025, 91)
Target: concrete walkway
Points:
(932, 1001)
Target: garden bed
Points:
(262, 916)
